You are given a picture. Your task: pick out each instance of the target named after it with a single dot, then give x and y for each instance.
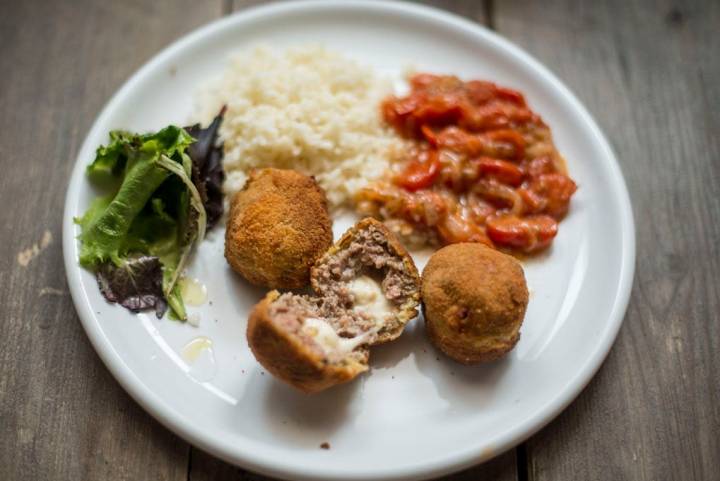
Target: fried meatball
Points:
(366, 289)
(369, 270)
(278, 226)
(474, 301)
(282, 342)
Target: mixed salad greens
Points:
(165, 192)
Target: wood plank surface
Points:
(648, 71)
(62, 415)
(650, 74)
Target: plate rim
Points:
(457, 460)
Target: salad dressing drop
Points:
(194, 292)
(199, 355)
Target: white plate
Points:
(416, 414)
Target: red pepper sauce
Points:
(481, 167)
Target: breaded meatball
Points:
(281, 342)
(474, 301)
(370, 270)
(278, 226)
(366, 289)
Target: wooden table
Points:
(648, 71)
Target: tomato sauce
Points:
(480, 166)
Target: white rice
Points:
(305, 108)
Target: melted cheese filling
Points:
(369, 299)
(325, 336)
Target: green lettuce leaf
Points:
(153, 209)
(134, 159)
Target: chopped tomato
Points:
(503, 143)
(495, 115)
(438, 110)
(459, 140)
(533, 203)
(480, 92)
(501, 170)
(529, 234)
(557, 190)
(429, 135)
(420, 173)
(504, 137)
(403, 106)
(511, 95)
(409, 114)
(423, 80)
(396, 112)
(480, 167)
(488, 116)
(539, 166)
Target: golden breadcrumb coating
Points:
(474, 301)
(278, 225)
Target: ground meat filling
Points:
(367, 255)
(290, 313)
(339, 308)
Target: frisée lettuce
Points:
(138, 238)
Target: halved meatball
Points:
(278, 226)
(368, 279)
(366, 289)
(474, 302)
(306, 354)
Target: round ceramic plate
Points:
(416, 414)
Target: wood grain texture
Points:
(205, 467)
(650, 74)
(62, 415)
